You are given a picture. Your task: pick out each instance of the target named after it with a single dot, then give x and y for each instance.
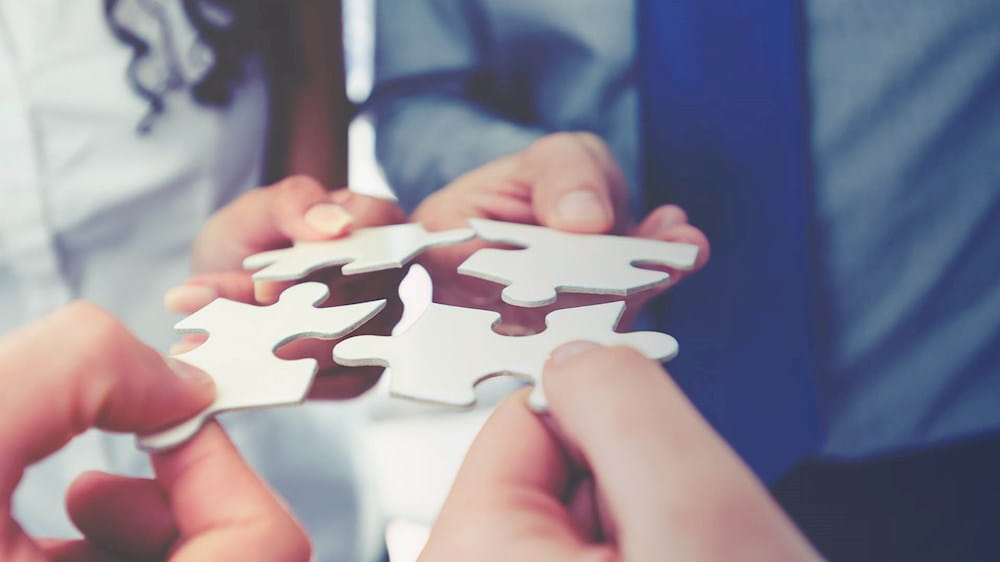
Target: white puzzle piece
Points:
(552, 261)
(362, 251)
(449, 349)
(239, 352)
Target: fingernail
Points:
(582, 207)
(565, 352)
(185, 299)
(328, 218)
(190, 373)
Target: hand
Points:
(567, 181)
(297, 208)
(624, 469)
(204, 504)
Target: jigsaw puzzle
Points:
(239, 352)
(449, 349)
(364, 250)
(553, 261)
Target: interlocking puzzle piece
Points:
(552, 261)
(450, 349)
(363, 251)
(239, 352)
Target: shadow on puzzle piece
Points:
(239, 352)
(449, 349)
(364, 250)
(552, 260)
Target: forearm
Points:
(310, 110)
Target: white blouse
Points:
(92, 209)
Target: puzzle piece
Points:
(239, 352)
(449, 349)
(563, 261)
(364, 250)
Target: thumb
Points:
(102, 376)
(671, 486)
(296, 208)
(576, 186)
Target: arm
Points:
(310, 110)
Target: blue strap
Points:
(725, 132)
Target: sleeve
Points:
(429, 127)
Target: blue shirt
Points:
(905, 104)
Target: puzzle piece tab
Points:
(568, 262)
(239, 352)
(449, 349)
(362, 251)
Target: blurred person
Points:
(123, 125)
(837, 154)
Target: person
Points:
(126, 124)
(689, 497)
(838, 159)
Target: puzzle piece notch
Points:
(363, 251)
(552, 261)
(450, 349)
(239, 352)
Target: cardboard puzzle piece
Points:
(449, 349)
(239, 352)
(363, 251)
(552, 261)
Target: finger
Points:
(204, 288)
(187, 343)
(367, 211)
(491, 191)
(670, 224)
(127, 516)
(682, 494)
(101, 377)
(573, 189)
(296, 208)
(510, 486)
(222, 510)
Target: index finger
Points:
(266, 218)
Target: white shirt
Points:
(91, 209)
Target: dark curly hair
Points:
(251, 27)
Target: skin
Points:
(271, 217)
(204, 503)
(623, 468)
(567, 181)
